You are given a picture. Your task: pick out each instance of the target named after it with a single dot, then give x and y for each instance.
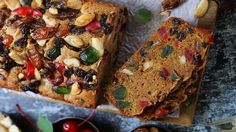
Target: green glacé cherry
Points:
(89, 56)
(143, 15)
(62, 89)
(53, 53)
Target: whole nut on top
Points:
(98, 45)
(74, 4)
(84, 19)
(74, 41)
(201, 8)
(2, 4)
(12, 4)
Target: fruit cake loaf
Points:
(166, 60)
(58, 48)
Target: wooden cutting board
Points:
(187, 114)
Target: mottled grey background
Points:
(217, 99)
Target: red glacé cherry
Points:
(70, 126)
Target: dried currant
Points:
(89, 76)
(35, 83)
(107, 28)
(188, 30)
(173, 31)
(103, 19)
(59, 42)
(22, 42)
(143, 52)
(9, 63)
(89, 86)
(67, 72)
(181, 35)
(48, 72)
(28, 88)
(120, 92)
(80, 72)
(176, 22)
(25, 30)
(77, 30)
(57, 80)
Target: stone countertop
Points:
(217, 99)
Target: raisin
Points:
(67, 14)
(103, 19)
(23, 21)
(181, 36)
(89, 86)
(59, 42)
(28, 88)
(38, 24)
(8, 64)
(176, 22)
(35, 56)
(188, 30)
(143, 52)
(35, 83)
(80, 72)
(48, 72)
(22, 42)
(107, 28)
(63, 30)
(25, 30)
(43, 33)
(77, 30)
(67, 72)
(173, 31)
(89, 75)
